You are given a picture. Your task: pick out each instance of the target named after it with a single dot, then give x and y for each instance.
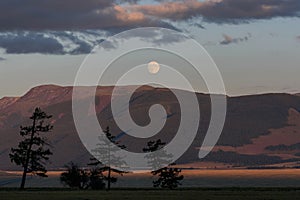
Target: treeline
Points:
(34, 151)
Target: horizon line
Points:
(154, 87)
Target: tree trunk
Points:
(108, 181)
(23, 179)
(109, 169)
(28, 155)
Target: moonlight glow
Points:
(153, 67)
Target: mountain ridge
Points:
(249, 118)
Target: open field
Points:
(228, 193)
(193, 178)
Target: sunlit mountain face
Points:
(260, 130)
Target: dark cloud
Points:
(1, 59)
(48, 14)
(298, 37)
(83, 45)
(236, 11)
(31, 26)
(30, 43)
(108, 15)
(74, 43)
(222, 11)
(230, 40)
(71, 15)
(58, 42)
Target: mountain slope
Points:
(249, 120)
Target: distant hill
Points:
(253, 123)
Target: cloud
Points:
(54, 42)
(298, 37)
(237, 11)
(71, 15)
(75, 42)
(73, 27)
(222, 11)
(230, 40)
(2, 59)
(30, 43)
(198, 25)
(167, 37)
(113, 17)
(158, 37)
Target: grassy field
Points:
(146, 194)
(198, 184)
(192, 178)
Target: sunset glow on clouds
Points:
(110, 17)
(104, 14)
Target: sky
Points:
(255, 43)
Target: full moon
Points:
(153, 67)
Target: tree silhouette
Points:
(168, 177)
(157, 160)
(96, 179)
(105, 153)
(32, 153)
(75, 177)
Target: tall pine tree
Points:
(106, 152)
(33, 151)
(168, 176)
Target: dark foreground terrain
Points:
(203, 193)
(243, 178)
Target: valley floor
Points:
(218, 194)
(193, 178)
